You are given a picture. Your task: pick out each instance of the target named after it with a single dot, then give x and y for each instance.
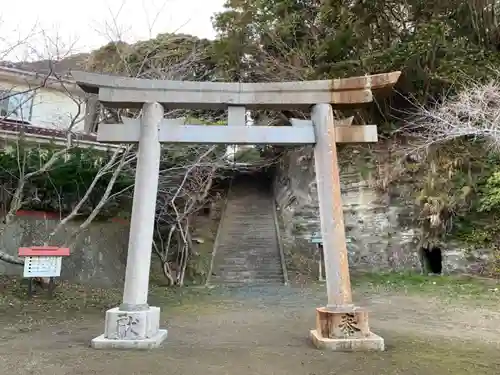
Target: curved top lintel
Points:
(116, 89)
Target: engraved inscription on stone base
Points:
(331, 324)
(132, 325)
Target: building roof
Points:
(61, 67)
(42, 79)
(11, 129)
(20, 126)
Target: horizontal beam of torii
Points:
(176, 131)
(125, 92)
(119, 92)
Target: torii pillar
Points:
(340, 326)
(135, 324)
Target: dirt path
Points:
(264, 331)
(428, 316)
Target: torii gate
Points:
(134, 324)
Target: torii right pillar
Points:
(340, 325)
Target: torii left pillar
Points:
(135, 324)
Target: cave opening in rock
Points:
(432, 259)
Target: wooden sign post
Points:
(323, 131)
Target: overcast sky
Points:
(82, 25)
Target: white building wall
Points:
(50, 108)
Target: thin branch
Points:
(473, 112)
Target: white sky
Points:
(83, 25)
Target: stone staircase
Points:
(246, 249)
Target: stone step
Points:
(243, 258)
(245, 268)
(264, 253)
(253, 282)
(235, 248)
(261, 251)
(246, 225)
(244, 261)
(242, 228)
(233, 258)
(238, 270)
(229, 254)
(243, 211)
(243, 276)
(254, 237)
(253, 247)
(237, 258)
(247, 274)
(250, 271)
(236, 233)
(249, 240)
(244, 208)
(247, 279)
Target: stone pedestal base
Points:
(131, 330)
(344, 329)
(370, 343)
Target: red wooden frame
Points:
(34, 251)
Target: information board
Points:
(316, 238)
(42, 266)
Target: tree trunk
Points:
(11, 259)
(167, 273)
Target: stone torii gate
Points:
(134, 324)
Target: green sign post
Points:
(316, 238)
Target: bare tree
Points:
(120, 159)
(17, 194)
(186, 173)
(183, 191)
(473, 112)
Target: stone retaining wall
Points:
(381, 229)
(98, 257)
